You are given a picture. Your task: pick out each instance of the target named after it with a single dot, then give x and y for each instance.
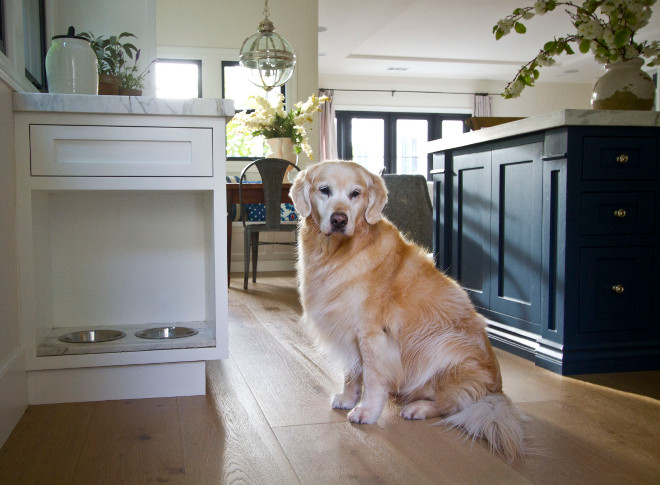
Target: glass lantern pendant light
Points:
(267, 56)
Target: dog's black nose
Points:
(338, 220)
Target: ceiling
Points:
(448, 39)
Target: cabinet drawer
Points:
(109, 151)
(616, 288)
(619, 158)
(617, 213)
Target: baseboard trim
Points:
(571, 360)
(265, 266)
(118, 382)
(13, 392)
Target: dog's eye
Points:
(325, 190)
(354, 194)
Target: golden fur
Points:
(399, 326)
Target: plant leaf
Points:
(621, 38)
(520, 28)
(585, 45)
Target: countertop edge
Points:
(556, 119)
(134, 105)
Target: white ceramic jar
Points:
(71, 65)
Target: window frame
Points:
(344, 133)
(169, 60)
(42, 83)
(3, 29)
(282, 89)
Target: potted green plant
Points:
(606, 28)
(131, 80)
(111, 53)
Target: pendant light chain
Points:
(266, 11)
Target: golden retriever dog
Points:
(400, 327)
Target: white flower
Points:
(515, 88)
(505, 26)
(540, 8)
(591, 29)
(545, 60)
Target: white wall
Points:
(102, 17)
(540, 99)
(13, 380)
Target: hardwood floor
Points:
(266, 419)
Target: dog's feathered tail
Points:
(495, 419)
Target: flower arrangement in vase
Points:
(606, 28)
(273, 122)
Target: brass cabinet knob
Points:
(618, 289)
(620, 213)
(623, 158)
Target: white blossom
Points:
(540, 7)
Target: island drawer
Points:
(619, 158)
(616, 290)
(120, 151)
(605, 213)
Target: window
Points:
(178, 78)
(237, 87)
(3, 40)
(34, 38)
(393, 142)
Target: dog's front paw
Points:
(344, 401)
(363, 415)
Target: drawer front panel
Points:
(616, 289)
(617, 213)
(117, 151)
(624, 158)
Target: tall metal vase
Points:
(624, 86)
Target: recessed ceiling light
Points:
(571, 71)
(322, 29)
(322, 54)
(397, 68)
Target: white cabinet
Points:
(121, 226)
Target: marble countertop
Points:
(569, 117)
(137, 105)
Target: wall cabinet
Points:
(556, 237)
(121, 227)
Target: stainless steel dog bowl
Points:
(91, 336)
(166, 332)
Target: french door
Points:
(393, 142)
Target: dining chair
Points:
(272, 172)
(409, 207)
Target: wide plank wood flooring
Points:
(266, 419)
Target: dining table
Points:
(253, 193)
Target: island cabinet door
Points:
(470, 245)
(516, 233)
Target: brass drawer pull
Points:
(623, 158)
(620, 213)
(618, 289)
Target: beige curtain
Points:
(482, 105)
(328, 133)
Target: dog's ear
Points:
(377, 198)
(299, 194)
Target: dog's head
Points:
(340, 196)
